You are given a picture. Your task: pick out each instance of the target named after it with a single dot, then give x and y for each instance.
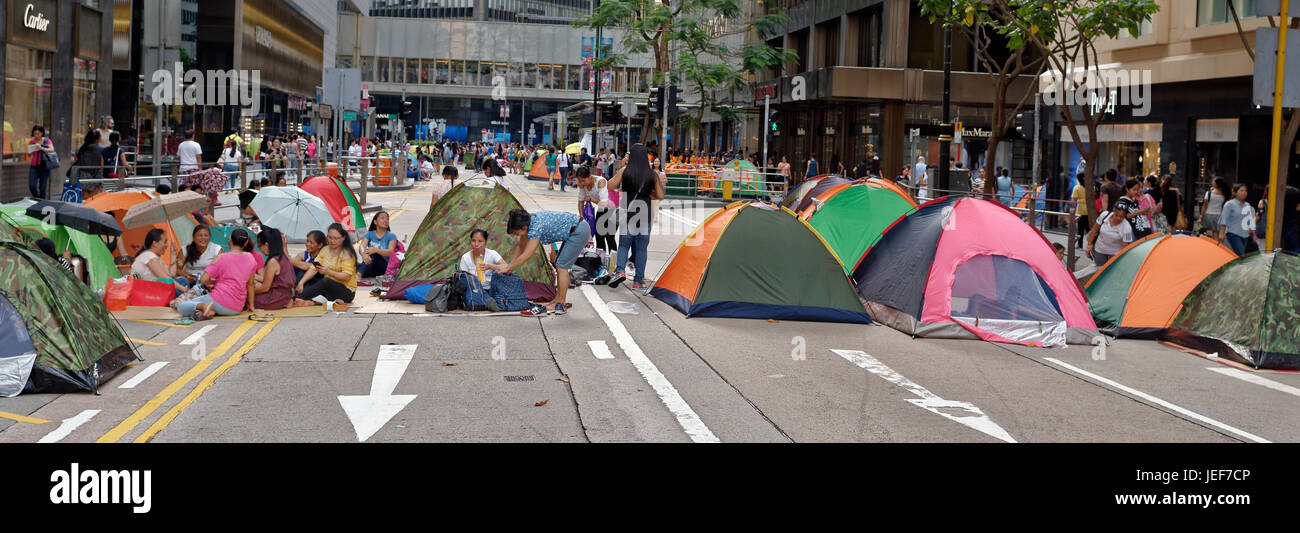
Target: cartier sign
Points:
(34, 19)
(32, 23)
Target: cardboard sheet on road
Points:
(167, 313)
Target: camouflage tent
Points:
(10, 233)
(52, 343)
(1246, 311)
(435, 250)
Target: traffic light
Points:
(774, 123)
(656, 101)
(407, 109)
(674, 102)
(1025, 124)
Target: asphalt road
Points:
(623, 367)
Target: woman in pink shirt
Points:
(231, 279)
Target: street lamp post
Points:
(945, 136)
(595, 89)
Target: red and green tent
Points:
(342, 204)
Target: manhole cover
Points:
(519, 378)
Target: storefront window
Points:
(516, 76)
(27, 97)
(443, 72)
(367, 69)
(385, 70)
(458, 73)
(426, 68)
(530, 75)
(83, 99)
(572, 76)
(412, 71)
(485, 73)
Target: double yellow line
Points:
(126, 426)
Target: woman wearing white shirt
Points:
(481, 261)
(229, 160)
(592, 190)
(148, 264)
(1111, 233)
(199, 253)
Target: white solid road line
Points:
(143, 375)
(929, 401)
(68, 425)
(194, 337)
(1258, 380)
(600, 350)
(695, 428)
(1157, 401)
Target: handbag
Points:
(50, 160)
(437, 297)
(1181, 223)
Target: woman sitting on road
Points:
(148, 264)
(315, 241)
(377, 246)
(199, 253)
(506, 291)
(275, 290)
(333, 280)
(231, 279)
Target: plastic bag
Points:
(418, 293)
(117, 293)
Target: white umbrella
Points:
(291, 210)
(164, 208)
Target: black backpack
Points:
(457, 297)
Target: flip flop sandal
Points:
(337, 306)
(184, 321)
(198, 317)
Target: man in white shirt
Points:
(189, 153)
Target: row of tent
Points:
(858, 251)
(55, 333)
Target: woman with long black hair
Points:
(377, 246)
(199, 253)
(334, 276)
(277, 279)
(640, 185)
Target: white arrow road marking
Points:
(974, 419)
(1144, 396)
(369, 413)
(600, 350)
(194, 337)
(68, 425)
(690, 421)
(143, 375)
(1258, 380)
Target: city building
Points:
(504, 69)
(55, 56)
(868, 86)
(279, 48)
(1198, 122)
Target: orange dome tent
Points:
(117, 204)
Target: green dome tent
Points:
(56, 336)
(99, 259)
(1247, 311)
(852, 217)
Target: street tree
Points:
(994, 37)
(679, 36)
(1066, 33)
(1289, 128)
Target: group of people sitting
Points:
(256, 273)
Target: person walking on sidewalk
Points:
(38, 174)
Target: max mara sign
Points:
(34, 19)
